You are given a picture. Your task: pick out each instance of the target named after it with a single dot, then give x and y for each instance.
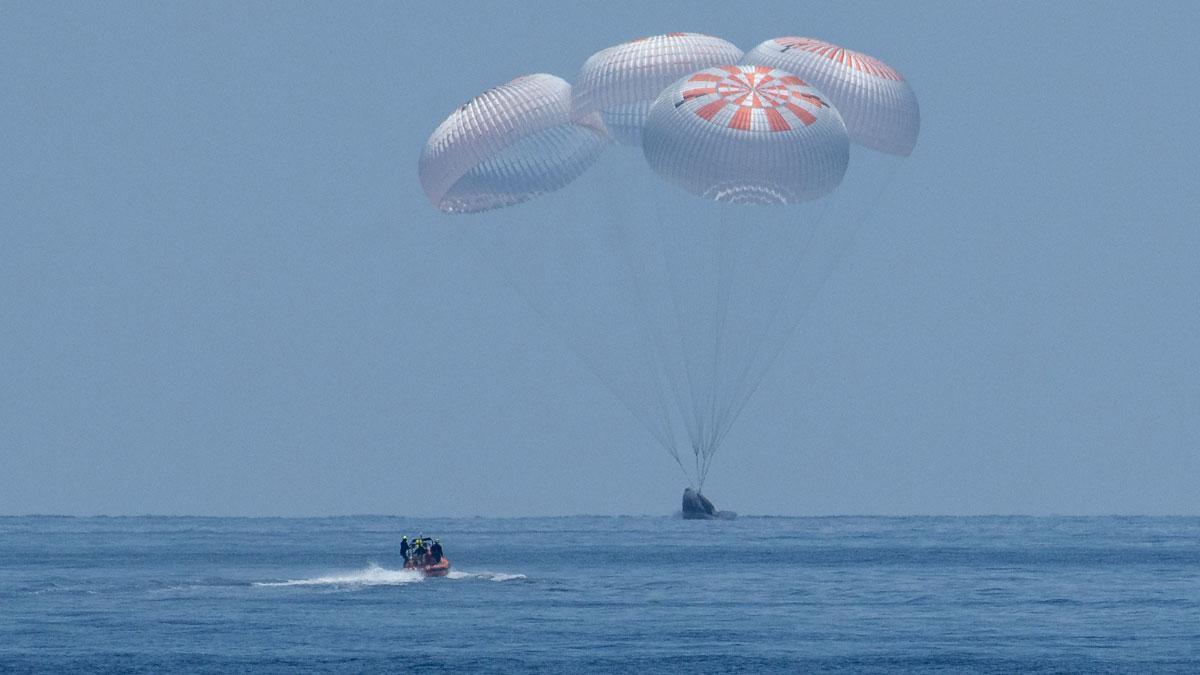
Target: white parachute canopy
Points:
(622, 82)
(878, 106)
(507, 145)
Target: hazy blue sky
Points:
(222, 290)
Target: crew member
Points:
(436, 550)
(418, 551)
(404, 547)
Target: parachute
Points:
(716, 205)
(878, 106)
(507, 145)
(623, 81)
(747, 134)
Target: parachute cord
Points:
(856, 224)
(735, 400)
(650, 335)
(705, 449)
(656, 356)
(656, 434)
(747, 375)
(726, 268)
(694, 430)
(642, 298)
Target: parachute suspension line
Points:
(763, 242)
(672, 285)
(726, 266)
(736, 400)
(559, 332)
(855, 224)
(656, 354)
(750, 377)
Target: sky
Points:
(222, 290)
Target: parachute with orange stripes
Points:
(747, 134)
(876, 102)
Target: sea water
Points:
(602, 594)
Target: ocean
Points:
(601, 594)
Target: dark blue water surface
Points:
(596, 594)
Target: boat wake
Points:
(484, 576)
(374, 575)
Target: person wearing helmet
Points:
(404, 547)
(436, 551)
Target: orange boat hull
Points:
(440, 569)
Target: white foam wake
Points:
(486, 576)
(373, 575)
